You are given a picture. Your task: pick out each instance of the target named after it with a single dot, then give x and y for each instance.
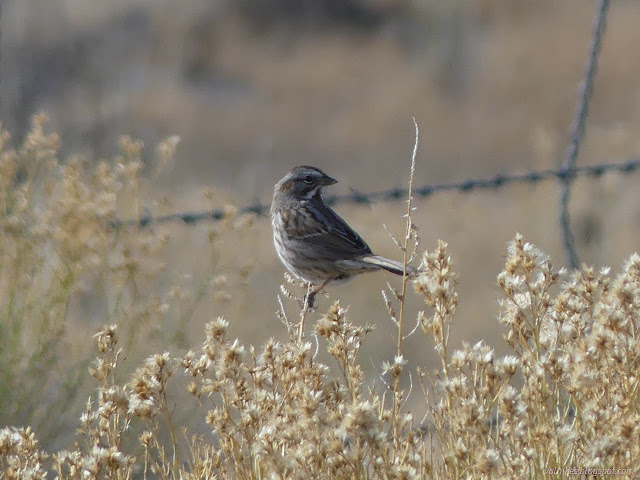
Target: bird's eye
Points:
(308, 179)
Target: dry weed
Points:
(67, 266)
(565, 397)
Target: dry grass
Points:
(65, 270)
(564, 396)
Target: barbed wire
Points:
(578, 128)
(492, 183)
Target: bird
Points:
(312, 241)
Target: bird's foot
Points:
(310, 301)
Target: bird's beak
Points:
(327, 180)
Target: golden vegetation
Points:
(565, 396)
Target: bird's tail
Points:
(389, 265)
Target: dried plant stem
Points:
(397, 394)
(303, 312)
(407, 237)
(174, 439)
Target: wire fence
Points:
(578, 129)
(565, 174)
(491, 183)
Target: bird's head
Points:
(303, 182)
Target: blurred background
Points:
(256, 87)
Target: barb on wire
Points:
(577, 130)
(465, 186)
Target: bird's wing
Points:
(324, 227)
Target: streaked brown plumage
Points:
(312, 241)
